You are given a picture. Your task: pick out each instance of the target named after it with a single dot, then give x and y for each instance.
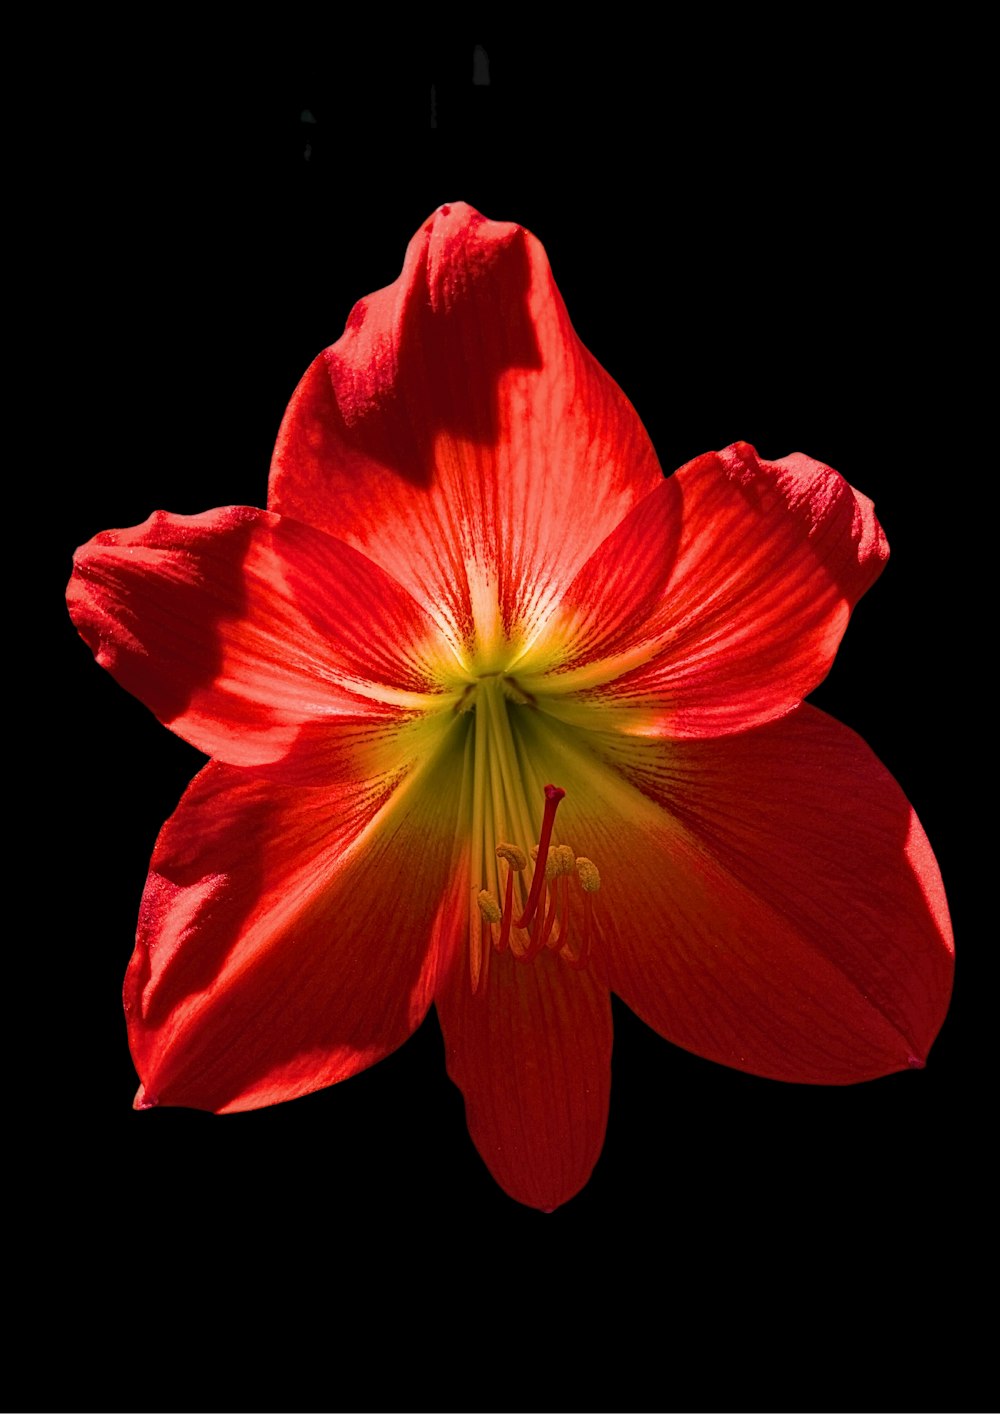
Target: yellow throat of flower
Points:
(547, 889)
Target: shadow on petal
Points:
(136, 593)
(457, 320)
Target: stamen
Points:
(560, 904)
(590, 882)
(503, 755)
(590, 879)
(535, 945)
(514, 855)
(557, 866)
(551, 863)
(479, 953)
(564, 859)
(488, 906)
(519, 950)
(518, 861)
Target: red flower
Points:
(473, 585)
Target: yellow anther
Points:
(564, 859)
(551, 860)
(590, 879)
(514, 855)
(489, 907)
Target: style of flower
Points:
(503, 720)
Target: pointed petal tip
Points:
(915, 1063)
(144, 1101)
(455, 216)
(459, 212)
(424, 363)
(452, 218)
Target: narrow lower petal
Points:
(768, 900)
(719, 602)
(531, 1053)
(463, 438)
(288, 938)
(244, 631)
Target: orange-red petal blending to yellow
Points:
(472, 583)
(720, 600)
(285, 940)
(462, 437)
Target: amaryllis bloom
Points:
(503, 720)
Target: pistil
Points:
(553, 795)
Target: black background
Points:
(763, 252)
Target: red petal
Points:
(243, 631)
(461, 435)
(532, 1057)
(769, 900)
(720, 601)
(287, 938)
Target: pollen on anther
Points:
(564, 858)
(552, 869)
(514, 855)
(587, 873)
(489, 907)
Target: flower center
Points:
(547, 903)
